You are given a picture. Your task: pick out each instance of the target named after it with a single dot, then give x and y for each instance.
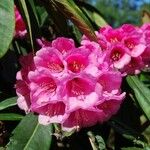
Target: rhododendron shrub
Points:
(69, 79)
(68, 85)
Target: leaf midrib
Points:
(35, 129)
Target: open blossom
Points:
(75, 87)
(126, 48)
(20, 28)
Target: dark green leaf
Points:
(10, 116)
(42, 15)
(132, 148)
(8, 103)
(142, 94)
(7, 25)
(29, 14)
(30, 135)
(73, 12)
(57, 18)
(93, 13)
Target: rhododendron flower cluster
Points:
(73, 86)
(126, 48)
(20, 28)
(80, 86)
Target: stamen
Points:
(55, 67)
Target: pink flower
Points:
(22, 84)
(121, 47)
(75, 87)
(118, 56)
(20, 28)
(63, 44)
(135, 66)
(50, 59)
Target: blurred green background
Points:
(117, 12)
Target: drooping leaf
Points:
(58, 19)
(10, 116)
(33, 7)
(30, 135)
(41, 14)
(74, 13)
(8, 103)
(7, 25)
(142, 94)
(94, 14)
(77, 33)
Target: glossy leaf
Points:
(142, 94)
(30, 135)
(73, 12)
(7, 25)
(10, 116)
(8, 103)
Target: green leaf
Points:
(8, 103)
(42, 15)
(30, 18)
(146, 17)
(142, 94)
(100, 22)
(101, 143)
(58, 19)
(135, 148)
(132, 148)
(94, 14)
(7, 25)
(96, 141)
(73, 12)
(33, 7)
(10, 116)
(30, 135)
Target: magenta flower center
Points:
(77, 87)
(55, 67)
(48, 84)
(116, 55)
(76, 63)
(130, 44)
(55, 64)
(113, 40)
